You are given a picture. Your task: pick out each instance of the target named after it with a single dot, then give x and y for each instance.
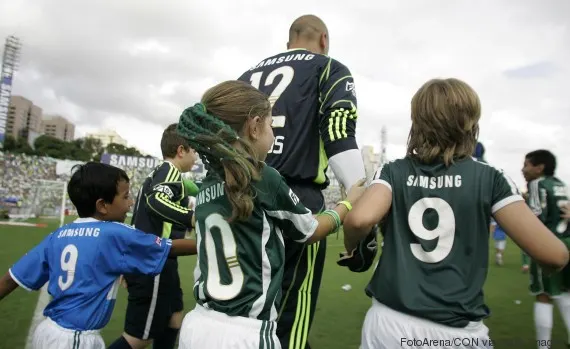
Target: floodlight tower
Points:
(10, 60)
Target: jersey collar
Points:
(86, 220)
(172, 164)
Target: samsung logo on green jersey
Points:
(434, 182)
(210, 193)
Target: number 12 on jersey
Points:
(286, 73)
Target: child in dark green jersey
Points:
(243, 209)
(547, 196)
(435, 206)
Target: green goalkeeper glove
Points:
(190, 188)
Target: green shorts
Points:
(552, 285)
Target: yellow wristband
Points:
(346, 204)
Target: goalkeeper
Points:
(314, 119)
(155, 304)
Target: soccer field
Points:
(339, 314)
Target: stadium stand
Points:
(19, 174)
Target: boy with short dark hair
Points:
(155, 303)
(83, 260)
(547, 196)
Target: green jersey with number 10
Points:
(436, 238)
(240, 264)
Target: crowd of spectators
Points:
(20, 189)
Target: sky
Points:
(134, 66)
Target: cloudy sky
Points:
(133, 66)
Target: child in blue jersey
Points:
(82, 261)
(500, 238)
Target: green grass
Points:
(339, 315)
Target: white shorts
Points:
(385, 328)
(49, 335)
(500, 244)
(204, 328)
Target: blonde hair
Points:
(212, 128)
(445, 116)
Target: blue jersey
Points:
(82, 262)
(498, 233)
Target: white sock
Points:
(543, 322)
(563, 304)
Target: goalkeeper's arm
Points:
(337, 124)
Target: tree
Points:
(81, 149)
(53, 147)
(93, 146)
(120, 149)
(9, 143)
(19, 145)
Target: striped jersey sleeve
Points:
(505, 191)
(337, 108)
(165, 191)
(536, 197)
(382, 176)
(286, 210)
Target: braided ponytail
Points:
(211, 128)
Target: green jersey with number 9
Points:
(240, 264)
(435, 256)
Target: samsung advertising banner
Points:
(126, 161)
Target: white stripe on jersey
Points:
(273, 314)
(505, 202)
(383, 182)
(257, 306)
(534, 197)
(153, 300)
(304, 223)
(197, 272)
(18, 281)
(510, 199)
(514, 189)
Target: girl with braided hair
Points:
(242, 211)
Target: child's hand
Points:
(356, 191)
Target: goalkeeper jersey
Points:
(314, 112)
(162, 204)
